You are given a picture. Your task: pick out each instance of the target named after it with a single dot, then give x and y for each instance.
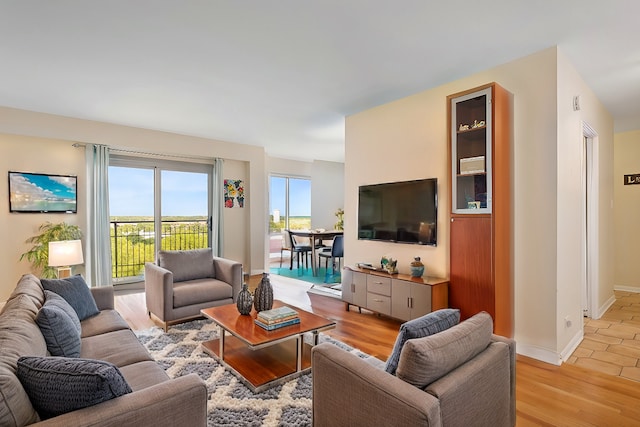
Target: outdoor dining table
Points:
(316, 236)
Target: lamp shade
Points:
(65, 253)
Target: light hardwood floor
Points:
(546, 395)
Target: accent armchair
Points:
(184, 282)
(462, 376)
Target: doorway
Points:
(590, 222)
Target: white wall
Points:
(327, 193)
(570, 196)
(627, 207)
(407, 139)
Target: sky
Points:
(131, 192)
(299, 200)
(185, 193)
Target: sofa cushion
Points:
(189, 264)
(103, 322)
(143, 375)
(118, 347)
(57, 385)
(60, 326)
(424, 360)
(199, 291)
(424, 326)
(75, 290)
(29, 285)
(19, 335)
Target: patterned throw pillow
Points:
(57, 385)
(75, 290)
(60, 326)
(424, 326)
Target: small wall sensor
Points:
(576, 103)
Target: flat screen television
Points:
(39, 192)
(400, 212)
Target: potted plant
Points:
(38, 255)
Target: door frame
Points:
(590, 219)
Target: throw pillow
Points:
(188, 265)
(424, 326)
(424, 360)
(75, 290)
(56, 385)
(60, 326)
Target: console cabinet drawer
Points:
(379, 285)
(379, 303)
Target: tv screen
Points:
(401, 212)
(38, 192)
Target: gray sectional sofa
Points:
(151, 398)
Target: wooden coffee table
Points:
(259, 357)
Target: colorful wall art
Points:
(233, 193)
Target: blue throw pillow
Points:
(421, 327)
(57, 385)
(75, 290)
(60, 326)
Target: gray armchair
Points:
(464, 376)
(184, 282)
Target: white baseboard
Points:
(573, 344)
(604, 307)
(627, 289)
(541, 354)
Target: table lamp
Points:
(63, 254)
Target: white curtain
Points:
(217, 209)
(98, 238)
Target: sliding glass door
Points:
(155, 205)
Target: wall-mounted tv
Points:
(400, 212)
(38, 192)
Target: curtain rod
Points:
(120, 150)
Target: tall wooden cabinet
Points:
(480, 211)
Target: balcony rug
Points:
(305, 275)
(318, 287)
(231, 403)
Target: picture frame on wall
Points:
(42, 193)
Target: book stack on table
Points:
(277, 318)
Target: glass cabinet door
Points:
(471, 153)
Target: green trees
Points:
(133, 241)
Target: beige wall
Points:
(46, 147)
(407, 139)
(327, 193)
(570, 196)
(26, 154)
(627, 207)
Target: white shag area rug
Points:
(231, 403)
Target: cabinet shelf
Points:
(462, 175)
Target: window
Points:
(289, 208)
(155, 204)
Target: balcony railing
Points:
(133, 243)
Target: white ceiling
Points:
(283, 74)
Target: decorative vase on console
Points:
(244, 300)
(417, 267)
(263, 296)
